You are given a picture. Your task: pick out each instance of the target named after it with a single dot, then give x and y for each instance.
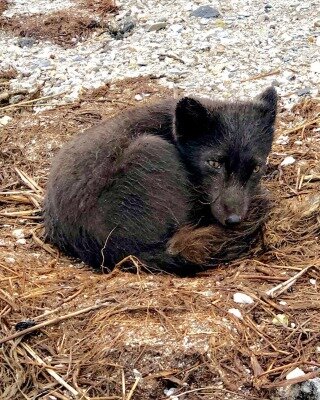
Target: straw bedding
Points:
(133, 335)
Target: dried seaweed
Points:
(125, 335)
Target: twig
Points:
(297, 128)
(201, 389)
(41, 243)
(262, 75)
(23, 213)
(282, 287)
(50, 371)
(56, 320)
(123, 379)
(173, 56)
(262, 277)
(115, 310)
(27, 180)
(60, 306)
(293, 381)
(133, 387)
(22, 103)
(311, 178)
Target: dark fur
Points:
(125, 186)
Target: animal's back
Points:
(119, 189)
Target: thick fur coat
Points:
(127, 185)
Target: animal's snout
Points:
(233, 219)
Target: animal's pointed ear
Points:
(267, 101)
(269, 98)
(191, 120)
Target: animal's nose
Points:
(233, 219)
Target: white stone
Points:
(282, 139)
(287, 161)
(242, 298)
(295, 373)
(313, 281)
(5, 120)
(18, 233)
(138, 97)
(235, 312)
(315, 67)
(169, 392)
(21, 241)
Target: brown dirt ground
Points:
(144, 333)
(66, 27)
(3, 6)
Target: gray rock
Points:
(309, 390)
(26, 42)
(206, 12)
(157, 26)
(304, 91)
(16, 99)
(121, 29)
(43, 63)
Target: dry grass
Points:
(122, 336)
(3, 6)
(8, 74)
(101, 7)
(64, 28)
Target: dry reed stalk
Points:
(50, 371)
(282, 287)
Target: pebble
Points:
(206, 12)
(222, 52)
(295, 373)
(235, 312)
(283, 139)
(315, 67)
(169, 392)
(16, 99)
(18, 233)
(287, 161)
(26, 42)
(157, 26)
(5, 120)
(303, 92)
(120, 30)
(242, 298)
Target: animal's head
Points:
(226, 146)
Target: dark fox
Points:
(128, 185)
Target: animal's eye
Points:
(214, 164)
(256, 169)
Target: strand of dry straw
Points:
(59, 319)
(282, 287)
(50, 371)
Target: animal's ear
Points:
(267, 104)
(192, 119)
(268, 99)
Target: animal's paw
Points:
(192, 244)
